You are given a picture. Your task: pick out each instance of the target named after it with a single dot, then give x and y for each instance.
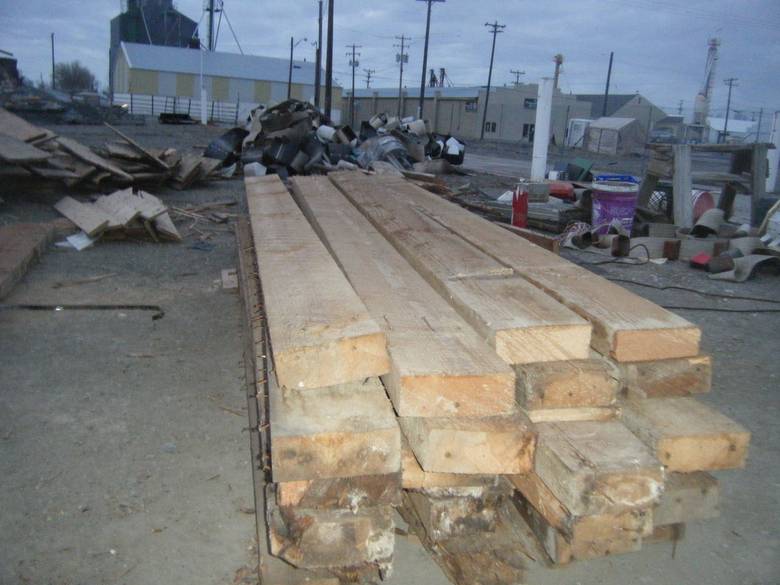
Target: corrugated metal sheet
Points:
(216, 64)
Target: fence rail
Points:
(154, 105)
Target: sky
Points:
(660, 46)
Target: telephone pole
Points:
(369, 73)
(731, 82)
(354, 63)
(606, 89)
(52, 62)
(211, 25)
(680, 108)
(329, 66)
(495, 28)
(760, 118)
(401, 58)
(517, 75)
(318, 72)
(425, 58)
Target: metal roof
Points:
(614, 102)
(216, 64)
(735, 126)
(612, 123)
(414, 93)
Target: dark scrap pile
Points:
(32, 152)
(295, 138)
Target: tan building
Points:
(243, 81)
(458, 111)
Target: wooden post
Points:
(683, 205)
(758, 179)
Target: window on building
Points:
(528, 131)
(529, 103)
(490, 126)
(471, 106)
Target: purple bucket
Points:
(613, 200)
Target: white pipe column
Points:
(773, 156)
(204, 114)
(542, 129)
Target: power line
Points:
(495, 29)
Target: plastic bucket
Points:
(613, 200)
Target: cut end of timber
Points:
(456, 396)
(347, 359)
(544, 344)
(490, 445)
(655, 344)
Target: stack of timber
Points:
(533, 397)
(335, 445)
(36, 154)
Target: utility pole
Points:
(211, 25)
(495, 28)
(680, 108)
(293, 44)
(606, 89)
(760, 118)
(53, 83)
(369, 73)
(318, 72)
(329, 66)
(425, 58)
(354, 63)
(731, 82)
(401, 58)
(517, 75)
(558, 59)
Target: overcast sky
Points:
(660, 45)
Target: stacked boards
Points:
(513, 376)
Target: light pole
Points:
(495, 29)
(318, 72)
(293, 44)
(425, 57)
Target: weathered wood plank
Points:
(15, 151)
(440, 366)
(625, 325)
(19, 128)
(597, 467)
(85, 154)
(342, 431)
(687, 497)
(687, 435)
(89, 218)
(521, 322)
(666, 378)
(349, 493)
(486, 445)
(413, 477)
(565, 384)
(321, 332)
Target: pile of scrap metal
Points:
(295, 138)
(33, 153)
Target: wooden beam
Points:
(488, 445)
(440, 366)
(686, 435)
(413, 477)
(343, 431)
(625, 325)
(565, 384)
(597, 467)
(550, 244)
(687, 497)
(346, 493)
(321, 332)
(666, 378)
(521, 322)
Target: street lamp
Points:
(293, 44)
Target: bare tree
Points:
(72, 77)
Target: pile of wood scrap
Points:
(121, 214)
(30, 152)
(527, 396)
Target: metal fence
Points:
(153, 105)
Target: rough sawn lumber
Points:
(321, 332)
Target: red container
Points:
(520, 208)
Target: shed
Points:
(616, 136)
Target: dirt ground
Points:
(124, 456)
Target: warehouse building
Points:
(511, 112)
(149, 75)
